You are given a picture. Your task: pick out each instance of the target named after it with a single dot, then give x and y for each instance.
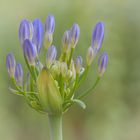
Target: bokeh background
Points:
(113, 111)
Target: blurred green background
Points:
(113, 111)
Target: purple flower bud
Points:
(37, 34)
(19, 74)
(25, 30)
(102, 63)
(29, 51)
(78, 64)
(66, 40)
(49, 29)
(98, 36)
(11, 64)
(74, 34)
(50, 24)
(91, 53)
(51, 55)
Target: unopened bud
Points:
(74, 35)
(64, 69)
(66, 40)
(11, 64)
(72, 68)
(102, 63)
(78, 64)
(29, 51)
(19, 74)
(49, 30)
(91, 53)
(98, 36)
(51, 56)
(25, 31)
(55, 69)
(37, 34)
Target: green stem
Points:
(55, 123)
(74, 87)
(71, 53)
(83, 76)
(89, 90)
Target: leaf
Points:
(80, 103)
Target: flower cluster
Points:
(51, 87)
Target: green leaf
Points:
(80, 103)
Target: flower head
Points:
(50, 87)
(11, 64)
(102, 63)
(97, 36)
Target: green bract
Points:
(49, 95)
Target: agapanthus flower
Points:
(51, 86)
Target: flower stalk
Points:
(55, 125)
